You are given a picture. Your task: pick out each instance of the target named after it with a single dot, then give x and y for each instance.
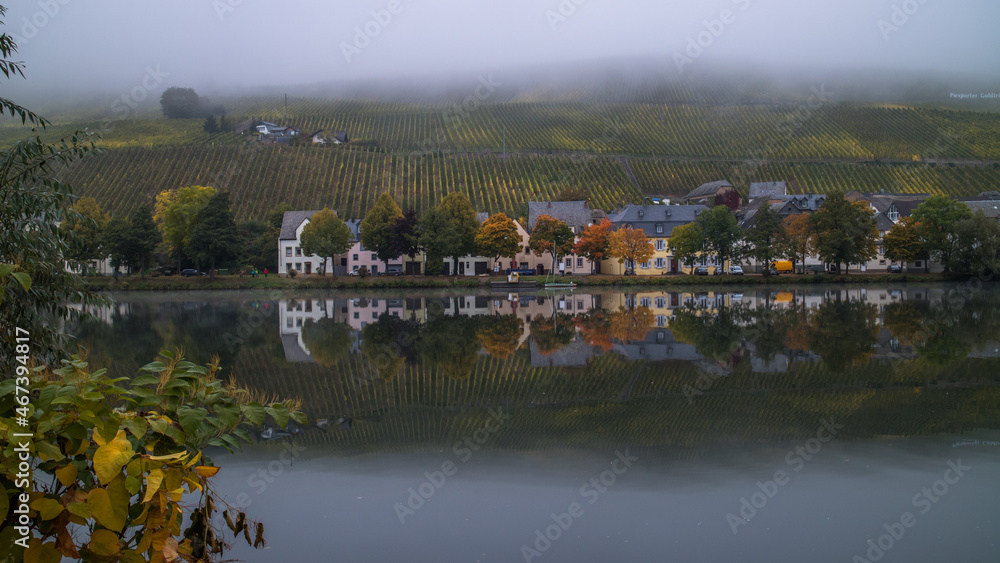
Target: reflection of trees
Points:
(630, 324)
(552, 334)
(450, 343)
(715, 336)
(500, 334)
(327, 340)
(593, 328)
(387, 342)
(953, 327)
(767, 328)
(843, 332)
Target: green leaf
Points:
(49, 449)
(145, 380)
(137, 426)
(279, 413)
(81, 509)
(228, 415)
(23, 279)
(254, 412)
(48, 508)
(190, 418)
(111, 457)
(299, 417)
(241, 433)
(154, 367)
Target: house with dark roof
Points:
(711, 194)
(291, 256)
(658, 223)
(890, 209)
(576, 214)
(768, 190)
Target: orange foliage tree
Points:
(630, 246)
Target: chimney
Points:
(550, 205)
(585, 206)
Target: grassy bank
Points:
(175, 283)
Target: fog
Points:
(242, 47)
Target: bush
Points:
(292, 273)
(363, 272)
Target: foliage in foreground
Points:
(119, 470)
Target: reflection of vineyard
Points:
(614, 401)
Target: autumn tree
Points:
(376, 227)
(902, 243)
(630, 324)
(765, 237)
(500, 335)
(553, 236)
(721, 231)
(844, 232)
(686, 243)
(630, 246)
(83, 226)
(498, 237)
(326, 235)
(405, 235)
(935, 219)
(594, 241)
(798, 241)
(176, 214)
(552, 334)
(215, 238)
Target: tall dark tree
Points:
(116, 238)
(935, 220)
(843, 232)
(404, 237)
(144, 237)
(722, 232)
(211, 125)
(376, 227)
(766, 237)
(215, 238)
(179, 103)
(449, 229)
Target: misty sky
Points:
(107, 45)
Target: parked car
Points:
(736, 270)
(701, 271)
(191, 272)
(394, 270)
(895, 269)
(718, 271)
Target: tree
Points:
(594, 241)
(766, 237)
(935, 219)
(215, 238)
(553, 236)
(977, 246)
(497, 237)
(376, 227)
(721, 231)
(326, 235)
(405, 235)
(177, 214)
(179, 103)
(211, 126)
(630, 324)
(449, 230)
(798, 242)
(843, 232)
(83, 226)
(327, 340)
(902, 243)
(117, 242)
(686, 243)
(145, 237)
(630, 246)
(552, 334)
(500, 335)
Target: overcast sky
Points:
(231, 44)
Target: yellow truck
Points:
(782, 266)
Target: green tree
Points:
(721, 231)
(935, 219)
(179, 103)
(500, 335)
(117, 242)
(766, 237)
(686, 243)
(902, 243)
(176, 215)
(498, 237)
(405, 238)
(145, 237)
(210, 126)
(376, 227)
(449, 230)
(553, 236)
(215, 238)
(977, 246)
(844, 232)
(326, 235)
(83, 226)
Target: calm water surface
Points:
(815, 424)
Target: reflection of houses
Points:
(362, 311)
(528, 306)
(658, 346)
(293, 314)
(576, 354)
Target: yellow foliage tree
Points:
(176, 214)
(630, 246)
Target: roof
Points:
(658, 346)
(576, 214)
(905, 204)
(647, 217)
(340, 136)
(883, 223)
(355, 226)
(290, 222)
(482, 217)
(989, 208)
(768, 189)
(708, 189)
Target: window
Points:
(647, 264)
(355, 258)
(661, 262)
(374, 315)
(309, 306)
(298, 321)
(661, 320)
(579, 304)
(919, 264)
(579, 262)
(527, 249)
(298, 266)
(290, 322)
(523, 265)
(298, 251)
(645, 302)
(661, 244)
(288, 251)
(374, 256)
(661, 302)
(659, 227)
(288, 266)
(569, 262)
(357, 315)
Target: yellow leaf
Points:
(193, 460)
(168, 457)
(84, 445)
(206, 470)
(67, 474)
(81, 509)
(110, 506)
(104, 542)
(48, 508)
(153, 481)
(38, 552)
(111, 457)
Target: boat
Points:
(513, 283)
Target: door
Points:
(482, 268)
(309, 267)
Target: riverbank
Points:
(176, 283)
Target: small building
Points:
(711, 194)
(658, 222)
